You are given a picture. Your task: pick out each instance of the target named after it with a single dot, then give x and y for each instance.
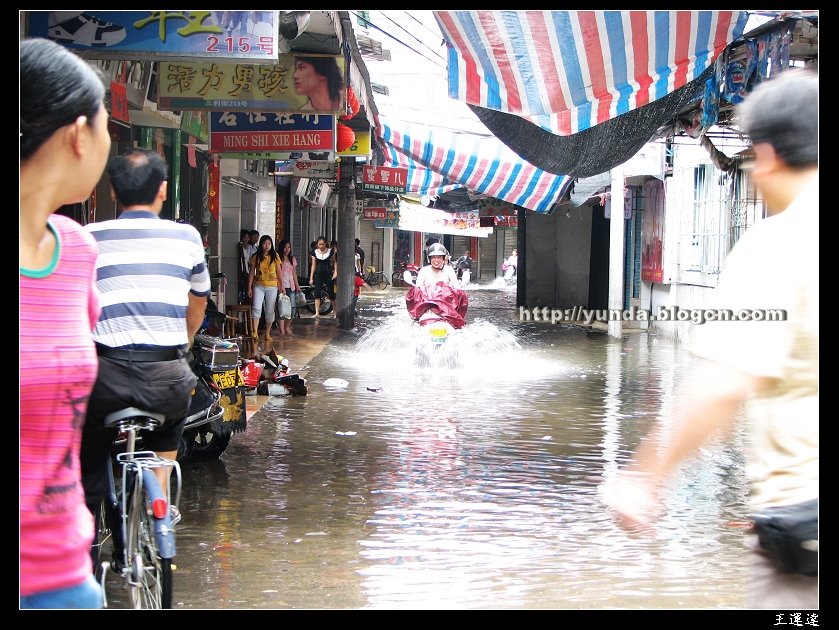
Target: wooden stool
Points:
(239, 316)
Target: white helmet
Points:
(436, 249)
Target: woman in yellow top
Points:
(264, 284)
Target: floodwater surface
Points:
(471, 483)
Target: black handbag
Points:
(790, 534)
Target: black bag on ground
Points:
(790, 534)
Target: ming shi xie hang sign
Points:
(270, 132)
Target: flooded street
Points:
(467, 485)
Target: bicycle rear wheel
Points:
(379, 281)
(150, 576)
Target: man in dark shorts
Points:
(153, 285)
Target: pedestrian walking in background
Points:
(288, 273)
(359, 257)
(264, 284)
(323, 270)
(244, 255)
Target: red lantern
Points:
(353, 103)
(345, 137)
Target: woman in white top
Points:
(288, 275)
(511, 265)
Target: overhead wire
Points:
(414, 36)
(396, 39)
(425, 26)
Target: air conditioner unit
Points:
(314, 191)
(324, 194)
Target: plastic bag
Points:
(299, 298)
(251, 372)
(284, 306)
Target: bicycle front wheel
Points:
(150, 576)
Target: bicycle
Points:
(376, 279)
(308, 290)
(136, 517)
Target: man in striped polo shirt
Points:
(153, 286)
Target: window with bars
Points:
(715, 208)
(746, 205)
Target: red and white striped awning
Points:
(567, 71)
(438, 161)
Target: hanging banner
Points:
(119, 101)
(417, 218)
(280, 87)
(213, 187)
(652, 231)
(238, 132)
(156, 35)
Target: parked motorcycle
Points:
(217, 408)
(216, 362)
(405, 274)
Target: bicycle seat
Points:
(154, 419)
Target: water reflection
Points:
(464, 487)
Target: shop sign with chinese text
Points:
(314, 169)
(391, 220)
(385, 179)
(237, 86)
(374, 213)
(156, 35)
(264, 133)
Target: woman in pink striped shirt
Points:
(64, 144)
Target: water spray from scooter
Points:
(407, 343)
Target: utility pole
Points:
(346, 244)
(521, 273)
(616, 230)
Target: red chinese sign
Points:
(385, 179)
(119, 102)
(374, 213)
